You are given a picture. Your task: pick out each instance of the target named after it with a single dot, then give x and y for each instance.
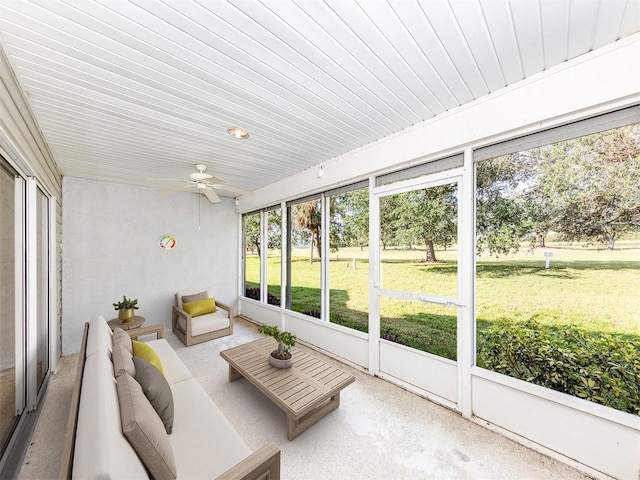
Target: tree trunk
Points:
(541, 239)
(430, 251)
(612, 241)
(318, 244)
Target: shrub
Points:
(600, 367)
(254, 293)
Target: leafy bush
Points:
(254, 293)
(599, 367)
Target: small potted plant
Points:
(126, 309)
(281, 357)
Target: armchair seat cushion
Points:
(207, 323)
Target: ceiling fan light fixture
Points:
(238, 133)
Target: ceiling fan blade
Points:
(213, 180)
(229, 188)
(211, 195)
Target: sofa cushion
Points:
(101, 450)
(204, 443)
(122, 361)
(195, 297)
(99, 338)
(156, 389)
(174, 369)
(201, 307)
(144, 429)
(122, 338)
(143, 350)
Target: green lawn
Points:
(560, 317)
(596, 290)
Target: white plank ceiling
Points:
(125, 91)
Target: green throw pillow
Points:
(200, 307)
(144, 351)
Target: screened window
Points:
(304, 266)
(348, 265)
(558, 259)
(274, 256)
(252, 243)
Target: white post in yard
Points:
(548, 256)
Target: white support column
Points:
(264, 282)
(466, 274)
(374, 278)
(324, 261)
(241, 260)
(283, 262)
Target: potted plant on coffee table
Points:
(126, 309)
(281, 357)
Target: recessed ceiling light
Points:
(238, 133)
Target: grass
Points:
(594, 290)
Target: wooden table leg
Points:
(296, 426)
(234, 374)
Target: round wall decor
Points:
(167, 242)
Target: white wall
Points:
(110, 249)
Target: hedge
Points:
(600, 367)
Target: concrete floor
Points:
(379, 432)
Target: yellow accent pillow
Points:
(200, 307)
(147, 353)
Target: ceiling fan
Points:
(204, 183)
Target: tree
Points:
(584, 189)
(594, 183)
(252, 232)
(427, 216)
(501, 219)
(388, 228)
(274, 229)
(308, 216)
(350, 218)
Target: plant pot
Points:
(125, 315)
(280, 363)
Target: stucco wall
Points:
(110, 249)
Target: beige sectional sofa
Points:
(203, 443)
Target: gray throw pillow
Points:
(195, 297)
(120, 337)
(144, 430)
(122, 361)
(157, 390)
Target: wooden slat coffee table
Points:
(306, 392)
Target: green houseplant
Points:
(125, 308)
(281, 357)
